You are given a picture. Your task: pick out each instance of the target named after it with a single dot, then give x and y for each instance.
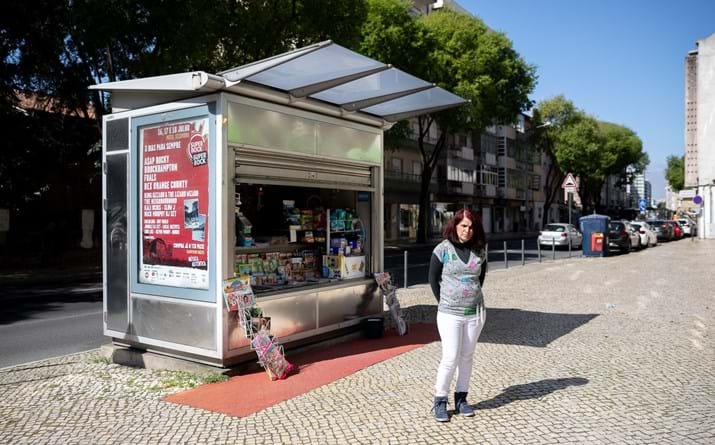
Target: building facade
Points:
(700, 133)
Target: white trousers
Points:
(459, 334)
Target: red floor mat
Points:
(246, 394)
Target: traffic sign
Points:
(569, 184)
(642, 205)
(697, 199)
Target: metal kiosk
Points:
(273, 169)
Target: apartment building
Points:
(497, 173)
(699, 133)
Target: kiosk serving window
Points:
(288, 237)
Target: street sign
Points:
(697, 199)
(569, 183)
(642, 205)
(686, 194)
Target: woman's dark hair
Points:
(478, 240)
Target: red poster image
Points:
(174, 199)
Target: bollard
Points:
(538, 248)
(506, 258)
(569, 246)
(553, 249)
(523, 260)
(405, 282)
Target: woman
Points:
(456, 275)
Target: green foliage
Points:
(675, 172)
(459, 53)
(186, 379)
(586, 147)
(391, 34)
(480, 65)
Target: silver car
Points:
(560, 234)
(648, 237)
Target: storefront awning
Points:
(324, 72)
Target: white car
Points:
(560, 234)
(688, 227)
(647, 235)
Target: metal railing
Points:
(504, 257)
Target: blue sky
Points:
(621, 61)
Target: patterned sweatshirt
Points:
(456, 275)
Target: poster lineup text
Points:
(174, 204)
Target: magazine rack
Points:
(389, 293)
(239, 298)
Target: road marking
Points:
(47, 320)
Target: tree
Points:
(588, 148)
(675, 172)
(549, 118)
(459, 53)
(53, 51)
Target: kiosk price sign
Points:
(174, 203)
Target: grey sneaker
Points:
(461, 406)
(440, 409)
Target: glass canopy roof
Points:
(324, 72)
(336, 75)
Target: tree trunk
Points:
(554, 178)
(429, 162)
(423, 219)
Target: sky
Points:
(622, 61)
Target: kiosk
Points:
(272, 170)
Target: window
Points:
(291, 236)
(416, 168)
(396, 164)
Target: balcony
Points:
(490, 191)
(456, 188)
(406, 182)
(461, 152)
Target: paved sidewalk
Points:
(597, 350)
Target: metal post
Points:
(506, 258)
(569, 244)
(523, 260)
(405, 282)
(570, 201)
(553, 249)
(538, 248)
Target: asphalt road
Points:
(43, 321)
(38, 322)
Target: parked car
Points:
(663, 230)
(647, 235)
(677, 230)
(622, 236)
(689, 229)
(560, 234)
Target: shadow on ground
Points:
(533, 390)
(23, 302)
(512, 326)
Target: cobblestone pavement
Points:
(596, 350)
